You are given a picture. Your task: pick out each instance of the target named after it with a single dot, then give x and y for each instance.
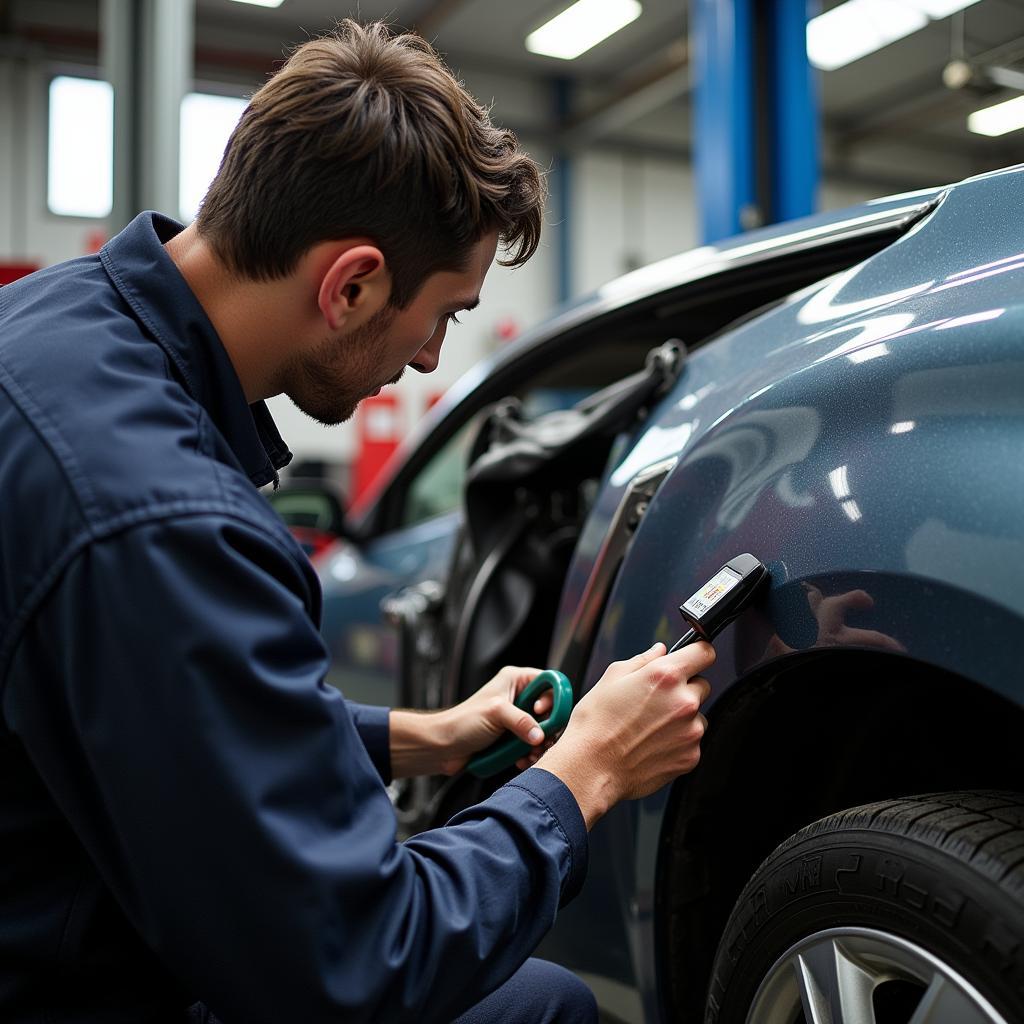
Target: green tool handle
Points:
(504, 753)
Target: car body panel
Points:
(864, 437)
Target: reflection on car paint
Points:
(830, 614)
(823, 306)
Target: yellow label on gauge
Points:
(712, 592)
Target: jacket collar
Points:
(160, 298)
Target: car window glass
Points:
(544, 400)
(304, 508)
(437, 488)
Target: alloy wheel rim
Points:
(832, 976)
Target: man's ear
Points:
(355, 285)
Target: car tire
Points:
(908, 910)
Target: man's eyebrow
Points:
(468, 304)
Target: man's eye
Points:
(452, 318)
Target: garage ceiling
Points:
(898, 91)
(888, 115)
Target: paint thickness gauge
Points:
(721, 599)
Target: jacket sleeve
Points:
(171, 695)
(372, 724)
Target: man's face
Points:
(329, 381)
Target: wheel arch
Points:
(783, 751)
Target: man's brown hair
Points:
(365, 133)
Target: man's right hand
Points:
(639, 728)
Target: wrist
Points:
(418, 741)
(595, 788)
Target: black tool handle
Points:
(687, 638)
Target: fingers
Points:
(634, 664)
(832, 611)
(522, 723)
(848, 636)
(699, 728)
(814, 597)
(703, 688)
(519, 678)
(693, 658)
(776, 648)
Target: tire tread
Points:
(982, 828)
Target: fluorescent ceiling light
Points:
(936, 9)
(859, 27)
(261, 3)
(581, 27)
(1004, 117)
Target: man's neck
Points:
(252, 318)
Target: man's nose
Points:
(427, 358)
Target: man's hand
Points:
(481, 719)
(636, 730)
(444, 741)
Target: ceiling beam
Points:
(666, 78)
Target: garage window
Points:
(207, 122)
(80, 165)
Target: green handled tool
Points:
(504, 753)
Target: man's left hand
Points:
(482, 718)
(442, 742)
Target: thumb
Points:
(523, 724)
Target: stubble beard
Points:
(331, 381)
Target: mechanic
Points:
(192, 822)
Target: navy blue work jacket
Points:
(187, 811)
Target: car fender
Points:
(911, 543)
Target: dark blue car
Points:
(843, 397)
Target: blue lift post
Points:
(755, 113)
(795, 115)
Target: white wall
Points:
(627, 211)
